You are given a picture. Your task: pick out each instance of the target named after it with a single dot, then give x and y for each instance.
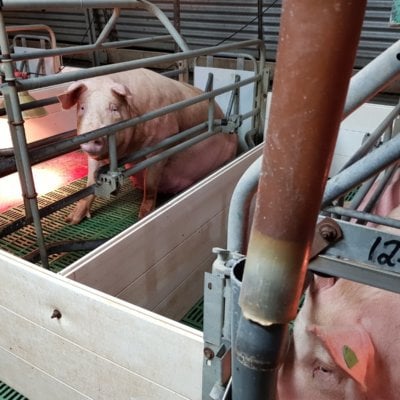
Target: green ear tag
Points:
(349, 356)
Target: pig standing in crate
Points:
(346, 341)
(105, 100)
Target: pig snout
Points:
(95, 148)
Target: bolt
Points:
(56, 314)
(328, 232)
(208, 353)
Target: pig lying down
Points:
(104, 100)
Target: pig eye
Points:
(113, 108)
(320, 369)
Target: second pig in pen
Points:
(106, 100)
(345, 341)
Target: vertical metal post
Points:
(211, 102)
(260, 19)
(177, 17)
(91, 31)
(19, 143)
(317, 46)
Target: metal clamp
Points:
(108, 183)
(217, 325)
(232, 123)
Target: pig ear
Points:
(350, 347)
(71, 96)
(121, 90)
(320, 282)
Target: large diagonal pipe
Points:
(317, 46)
(372, 79)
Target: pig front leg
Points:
(152, 178)
(82, 207)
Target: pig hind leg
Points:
(152, 178)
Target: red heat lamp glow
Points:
(10, 188)
(48, 176)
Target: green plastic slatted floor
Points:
(7, 393)
(109, 219)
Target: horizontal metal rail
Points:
(39, 82)
(54, 100)
(86, 48)
(15, 5)
(67, 145)
(356, 271)
(116, 5)
(364, 216)
(113, 128)
(46, 211)
(169, 152)
(58, 205)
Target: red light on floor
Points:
(48, 176)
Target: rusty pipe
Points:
(317, 46)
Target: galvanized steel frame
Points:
(12, 86)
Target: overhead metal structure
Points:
(243, 347)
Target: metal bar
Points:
(89, 18)
(33, 104)
(371, 141)
(177, 17)
(87, 48)
(354, 99)
(109, 27)
(64, 146)
(112, 153)
(54, 100)
(15, 5)
(20, 144)
(168, 153)
(211, 103)
(47, 210)
(154, 10)
(260, 20)
(364, 216)
(111, 129)
(280, 221)
(293, 173)
(361, 170)
(9, 151)
(381, 186)
(239, 208)
(361, 192)
(374, 77)
(357, 272)
(38, 27)
(35, 83)
(137, 155)
(144, 4)
(58, 205)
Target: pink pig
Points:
(345, 344)
(346, 341)
(108, 99)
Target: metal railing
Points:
(25, 156)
